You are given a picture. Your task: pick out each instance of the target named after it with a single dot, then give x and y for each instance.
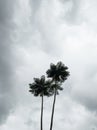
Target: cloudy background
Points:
(33, 34)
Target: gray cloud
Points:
(85, 91)
(44, 24)
(70, 40)
(6, 8)
(42, 37)
(35, 5)
(71, 10)
(6, 65)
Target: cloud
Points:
(6, 68)
(70, 11)
(45, 32)
(35, 5)
(75, 44)
(74, 40)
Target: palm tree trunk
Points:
(53, 108)
(41, 119)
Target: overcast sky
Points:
(33, 34)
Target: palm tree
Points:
(40, 88)
(59, 74)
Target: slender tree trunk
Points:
(53, 108)
(41, 119)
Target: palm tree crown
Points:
(58, 72)
(40, 87)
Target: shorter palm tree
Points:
(40, 88)
(59, 74)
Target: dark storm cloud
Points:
(6, 72)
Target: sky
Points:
(33, 34)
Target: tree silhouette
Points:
(56, 75)
(40, 88)
(59, 74)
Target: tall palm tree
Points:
(59, 74)
(40, 88)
